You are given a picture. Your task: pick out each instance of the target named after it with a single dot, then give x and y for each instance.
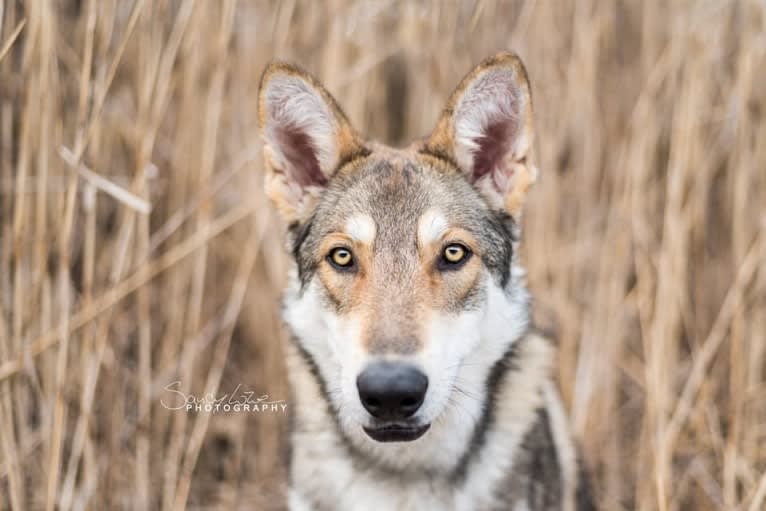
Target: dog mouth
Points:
(396, 432)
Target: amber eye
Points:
(454, 255)
(341, 257)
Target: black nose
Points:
(391, 390)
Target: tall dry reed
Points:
(137, 249)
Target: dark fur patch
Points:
(544, 475)
(500, 230)
(506, 364)
(584, 498)
(536, 477)
(306, 266)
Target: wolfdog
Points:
(417, 381)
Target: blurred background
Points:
(137, 250)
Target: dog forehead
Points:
(398, 196)
(396, 208)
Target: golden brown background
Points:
(645, 237)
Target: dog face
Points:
(405, 293)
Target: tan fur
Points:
(446, 289)
(359, 293)
(346, 290)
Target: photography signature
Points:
(239, 400)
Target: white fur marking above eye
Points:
(431, 226)
(361, 228)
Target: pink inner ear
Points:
(301, 155)
(493, 147)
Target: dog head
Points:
(405, 293)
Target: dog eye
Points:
(341, 258)
(453, 256)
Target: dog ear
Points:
(306, 137)
(486, 129)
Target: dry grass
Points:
(645, 239)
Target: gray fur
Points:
(379, 187)
(497, 433)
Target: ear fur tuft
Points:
(487, 129)
(305, 137)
